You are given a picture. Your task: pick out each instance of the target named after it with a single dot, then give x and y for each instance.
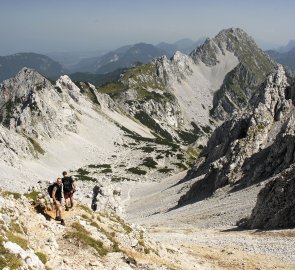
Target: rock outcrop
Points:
(275, 207)
(250, 146)
(31, 105)
(244, 80)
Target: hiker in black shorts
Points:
(69, 189)
(57, 197)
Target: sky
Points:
(45, 26)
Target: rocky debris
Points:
(275, 206)
(14, 147)
(100, 240)
(29, 259)
(245, 149)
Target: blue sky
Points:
(81, 25)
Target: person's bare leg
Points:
(58, 210)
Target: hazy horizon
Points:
(89, 25)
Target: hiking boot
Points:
(58, 218)
(62, 222)
(67, 208)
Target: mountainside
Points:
(250, 147)
(138, 53)
(70, 59)
(44, 117)
(244, 80)
(97, 79)
(286, 58)
(10, 65)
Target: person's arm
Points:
(53, 194)
(73, 184)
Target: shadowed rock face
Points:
(275, 207)
(251, 146)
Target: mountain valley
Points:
(194, 154)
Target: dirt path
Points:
(204, 232)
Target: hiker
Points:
(96, 191)
(69, 189)
(57, 197)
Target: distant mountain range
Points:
(288, 47)
(285, 58)
(131, 55)
(184, 45)
(55, 64)
(11, 64)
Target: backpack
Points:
(50, 189)
(68, 184)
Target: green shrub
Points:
(37, 146)
(165, 170)
(96, 166)
(8, 259)
(23, 243)
(15, 227)
(82, 171)
(15, 195)
(180, 166)
(149, 162)
(85, 208)
(32, 195)
(147, 149)
(148, 121)
(108, 170)
(82, 235)
(137, 171)
(42, 257)
(119, 179)
(84, 178)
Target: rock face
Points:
(275, 207)
(243, 81)
(190, 93)
(250, 146)
(14, 147)
(32, 105)
(220, 76)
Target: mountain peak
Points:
(26, 78)
(231, 34)
(233, 40)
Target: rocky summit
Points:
(176, 163)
